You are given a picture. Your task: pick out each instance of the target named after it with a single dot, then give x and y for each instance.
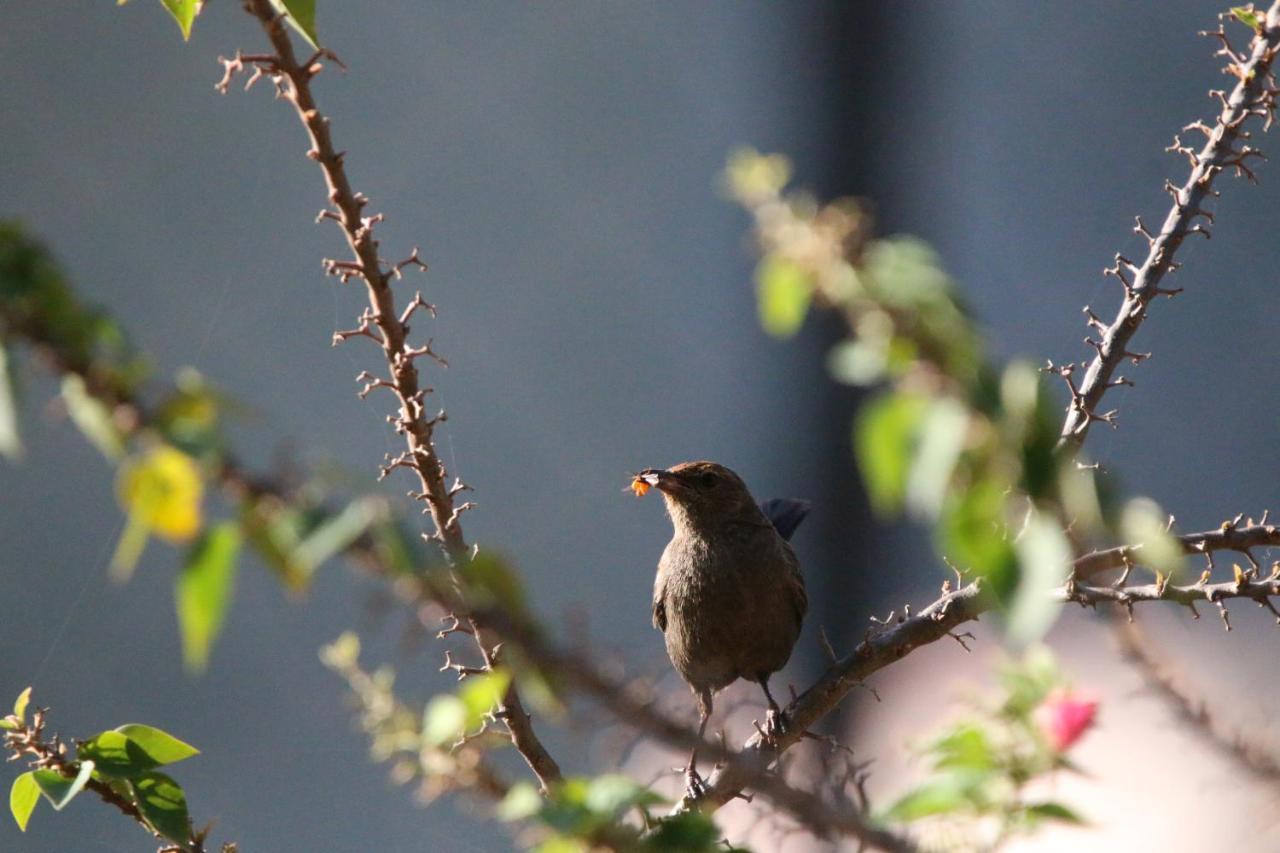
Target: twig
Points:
(1254, 95)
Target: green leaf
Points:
(521, 802)
(1055, 811)
(938, 796)
(164, 805)
(972, 532)
(1142, 521)
(184, 12)
(20, 705)
(116, 756)
(783, 291)
(884, 440)
(445, 720)
(860, 361)
(335, 533)
(965, 748)
(10, 441)
(203, 591)
(23, 797)
(691, 832)
(1044, 557)
(301, 15)
(490, 577)
(942, 437)
(163, 747)
(92, 418)
(1248, 16)
(482, 693)
(58, 789)
(613, 795)
(342, 654)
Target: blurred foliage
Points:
(988, 767)
(947, 437)
(583, 814)
(121, 761)
(170, 452)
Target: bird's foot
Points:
(695, 787)
(776, 724)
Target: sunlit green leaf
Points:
(184, 12)
(1044, 557)
(614, 794)
(343, 653)
(115, 755)
(20, 704)
(1247, 16)
(1144, 523)
(482, 693)
(161, 746)
(859, 361)
(973, 534)
(92, 418)
(58, 789)
(521, 802)
(164, 805)
(10, 441)
(945, 794)
(1055, 811)
(445, 720)
(203, 591)
(884, 439)
(783, 291)
(302, 14)
(23, 797)
(967, 747)
(750, 175)
(942, 436)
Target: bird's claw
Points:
(695, 787)
(776, 724)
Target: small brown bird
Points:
(728, 598)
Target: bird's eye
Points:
(707, 479)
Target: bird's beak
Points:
(665, 481)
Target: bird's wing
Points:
(785, 514)
(660, 606)
(799, 598)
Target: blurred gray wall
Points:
(556, 163)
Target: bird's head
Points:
(699, 494)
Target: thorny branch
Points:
(1134, 647)
(1225, 148)
(387, 326)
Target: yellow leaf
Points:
(162, 491)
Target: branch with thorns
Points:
(1254, 96)
(387, 326)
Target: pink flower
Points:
(1064, 717)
